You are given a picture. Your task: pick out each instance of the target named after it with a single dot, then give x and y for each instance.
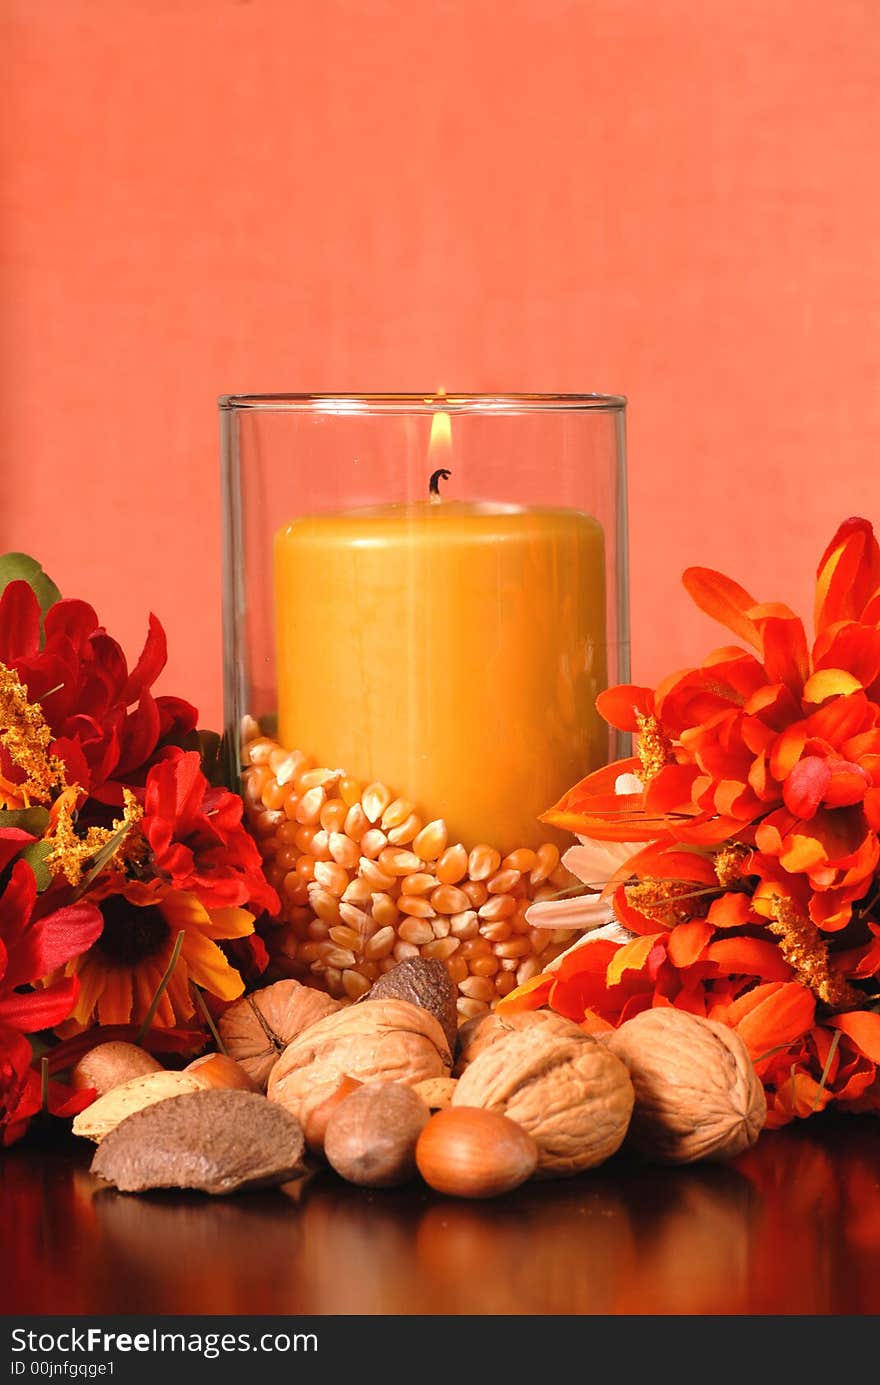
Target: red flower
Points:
(30, 948)
(106, 723)
(197, 838)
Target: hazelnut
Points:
(467, 1151)
(109, 1065)
(371, 1136)
(316, 1124)
(218, 1070)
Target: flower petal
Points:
(863, 1027)
(724, 600)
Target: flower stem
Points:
(160, 989)
(209, 1020)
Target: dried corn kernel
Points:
(483, 862)
(375, 799)
(452, 865)
(431, 841)
(364, 885)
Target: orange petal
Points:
(687, 941)
(114, 1002)
(209, 967)
(592, 1023)
(619, 706)
(732, 910)
(787, 751)
(229, 923)
(772, 1015)
(863, 1027)
(631, 956)
(531, 995)
(829, 682)
(848, 573)
(749, 957)
(724, 600)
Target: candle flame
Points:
(439, 452)
(440, 445)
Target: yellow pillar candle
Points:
(452, 650)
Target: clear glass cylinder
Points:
(423, 596)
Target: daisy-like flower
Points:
(596, 864)
(750, 883)
(120, 974)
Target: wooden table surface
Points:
(791, 1227)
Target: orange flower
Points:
(121, 972)
(753, 890)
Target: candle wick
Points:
(434, 484)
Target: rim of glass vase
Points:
(424, 403)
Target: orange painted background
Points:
(674, 199)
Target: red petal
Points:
(785, 652)
(139, 737)
(805, 787)
(71, 620)
(19, 623)
(53, 941)
(38, 1010)
(17, 904)
(671, 788)
(153, 659)
(12, 841)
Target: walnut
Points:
(563, 1087)
(480, 1033)
(256, 1029)
(386, 1040)
(697, 1094)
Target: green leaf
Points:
(19, 567)
(108, 850)
(33, 820)
(35, 855)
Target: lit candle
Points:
(451, 649)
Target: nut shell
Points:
(108, 1065)
(371, 1136)
(466, 1151)
(214, 1141)
(436, 1092)
(387, 1040)
(97, 1120)
(571, 1094)
(256, 1029)
(316, 1125)
(426, 982)
(480, 1033)
(217, 1070)
(697, 1093)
